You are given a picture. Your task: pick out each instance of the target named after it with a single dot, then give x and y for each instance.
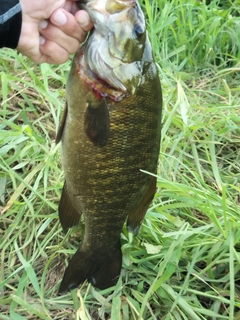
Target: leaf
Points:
(22, 186)
(35, 309)
(152, 249)
(116, 308)
(3, 182)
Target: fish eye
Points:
(139, 26)
(138, 29)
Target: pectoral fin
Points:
(62, 125)
(68, 215)
(97, 123)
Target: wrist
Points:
(11, 22)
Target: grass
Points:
(185, 263)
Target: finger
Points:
(54, 34)
(53, 53)
(68, 24)
(83, 20)
(70, 6)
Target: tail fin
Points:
(100, 268)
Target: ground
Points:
(185, 262)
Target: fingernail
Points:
(42, 40)
(60, 18)
(43, 24)
(83, 19)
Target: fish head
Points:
(118, 45)
(122, 21)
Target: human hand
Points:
(52, 29)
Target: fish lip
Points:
(102, 5)
(129, 3)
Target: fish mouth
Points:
(109, 6)
(119, 5)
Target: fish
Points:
(110, 134)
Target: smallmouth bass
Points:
(110, 131)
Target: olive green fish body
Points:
(110, 133)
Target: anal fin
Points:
(136, 216)
(68, 215)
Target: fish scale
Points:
(106, 142)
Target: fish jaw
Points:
(117, 5)
(109, 6)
